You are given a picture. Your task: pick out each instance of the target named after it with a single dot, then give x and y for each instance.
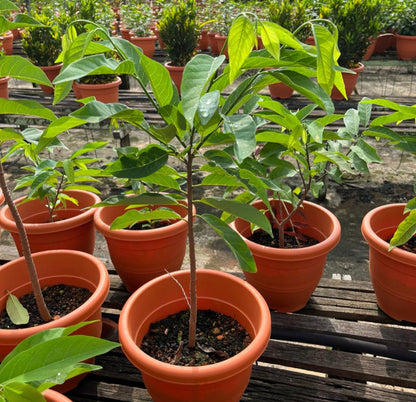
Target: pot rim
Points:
(299, 253)
(97, 297)
(373, 239)
(181, 374)
(9, 224)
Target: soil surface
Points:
(218, 338)
(60, 300)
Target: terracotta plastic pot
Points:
(51, 72)
(280, 90)
(218, 291)
(141, 255)
(213, 43)
(204, 40)
(393, 273)
(220, 44)
(75, 230)
(1, 203)
(176, 73)
(159, 39)
(350, 81)
(287, 277)
(370, 49)
(310, 40)
(406, 47)
(125, 33)
(4, 87)
(52, 396)
(384, 42)
(146, 44)
(106, 93)
(6, 42)
(56, 267)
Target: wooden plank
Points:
(341, 364)
(403, 338)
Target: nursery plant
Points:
(203, 117)
(31, 368)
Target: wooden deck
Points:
(340, 347)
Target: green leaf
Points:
(366, 152)
(234, 241)
(241, 40)
(270, 39)
(240, 210)
(39, 364)
(96, 111)
(147, 161)
(244, 129)
(196, 76)
(364, 111)
(208, 106)
(26, 107)
(405, 231)
(22, 69)
(352, 121)
(133, 216)
(20, 392)
(15, 310)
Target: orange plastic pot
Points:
(406, 47)
(141, 255)
(219, 291)
(213, 43)
(74, 229)
(287, 277)
(1, 202)
(220, 45)
(6, 42)
(280, 90)
(176, 73)
(125, 33)
(370, 49)
(350, 81)
(203, 40)
(51, 72)
(146, 44)
(106, 93)
(56, 267)
(52, 396)
(4, 87)
(392, 273)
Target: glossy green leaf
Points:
(208, 106)
(234, 241)
(241, 39)
(270, 39)
(196, 76)
(96, 112)
(352, 121)
(364, 111)
(405, 231)
(240, 210)
(22, 69)
(20, 392)
(366, 152)
(16, 311)
(133, 216)
(26, 107)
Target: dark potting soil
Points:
(147, 225)
(292, 239)
(60, 300)
(219, 337)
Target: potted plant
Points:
(179, 30)
(390, 231)
(202, 118)
(141, 35)
(357, 24)
(30, 370)
(42, 45)
(54, 211)
(405, 28)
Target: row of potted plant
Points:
(242, 154)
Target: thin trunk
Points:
(40, 302)
(192, 258)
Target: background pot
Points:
(392, 273)
(406, 47)
(75, 229)
(106, 93)
(224, 293)
(146, 44)
(52, 396)
(220, 44)
(6, 42)
(176, 73)
(4, 87)
(350, 81)
(141, 255)
(280, 90)
(287, 277)
(51, 72)
(56, 267)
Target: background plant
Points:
(138, 18)
(404, 17)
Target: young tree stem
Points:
(40, 302)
